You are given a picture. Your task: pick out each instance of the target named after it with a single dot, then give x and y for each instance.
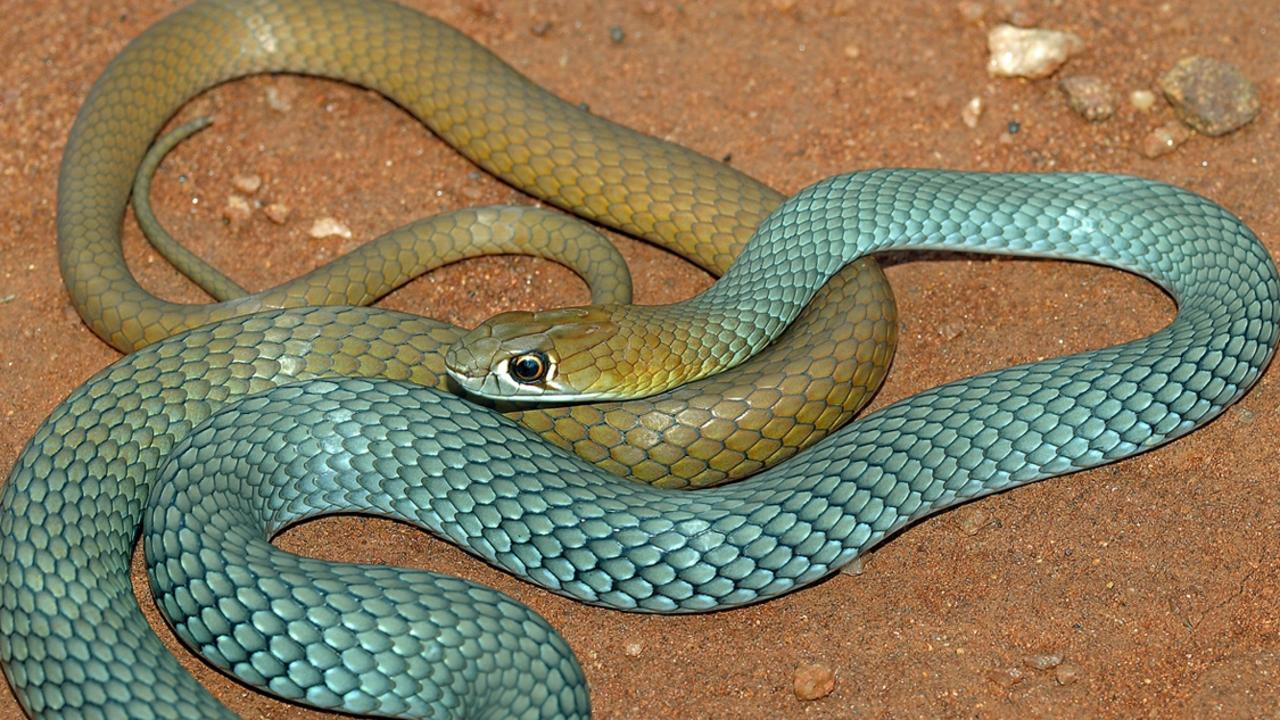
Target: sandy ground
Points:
(1154, 579)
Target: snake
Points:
(225, 433)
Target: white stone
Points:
(328, 227)
(1029, 52)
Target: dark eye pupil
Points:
(529, 368)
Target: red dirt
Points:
(1155, 578)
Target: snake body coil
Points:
(228, 432)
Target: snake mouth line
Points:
(482, 385)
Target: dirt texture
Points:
(1147, 588)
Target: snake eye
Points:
(529, 368)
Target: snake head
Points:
(536, 356)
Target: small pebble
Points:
(329, 227)
(277, 213)
(617, 35)
(1090, 97)
(277, 100)
(8, 298)
(1245, 415)
(1043, 662)
(1006, 677)
(247, 184)
(950, 331)
(1066, 673)
(632, 649)
(852, 52)
(972, 112)
(813, 681)
(1164, 139)
(975, 521)
(1142, 100)
(541, 28)
(1211, 96)
(1029, 52)
(237, 209)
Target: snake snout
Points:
(471, 357)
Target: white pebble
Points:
(247, 184)
(278, 100)
(328, 227)
(1142, 100)
(1029, 52)
(278, 213)
(237, 209)
(971, 112)
(1044, 661)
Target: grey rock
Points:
(1211, 96)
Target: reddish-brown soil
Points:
(1155, 579)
